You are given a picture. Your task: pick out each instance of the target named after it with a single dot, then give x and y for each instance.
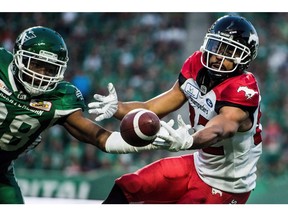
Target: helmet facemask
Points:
(36, 83)
(226, 49)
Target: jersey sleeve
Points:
(69, 97)
(241, 90)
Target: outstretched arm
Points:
(87, 131)
(225, 125)
(162, 104)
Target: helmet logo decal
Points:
(27, 36)
(253, 37)
(229, 28)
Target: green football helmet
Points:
(40, 59)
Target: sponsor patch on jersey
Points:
(209, 102)
(4, 88)
(41, 105)
(192, 90)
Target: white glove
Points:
(105, 106)
(178, 139)
(163, 132)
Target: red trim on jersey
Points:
(257, 137)
(202, 121)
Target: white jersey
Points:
(229, 165)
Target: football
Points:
(139, 127)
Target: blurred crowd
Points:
(142, 53)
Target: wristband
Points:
(116, 144)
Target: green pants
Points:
(10, 192)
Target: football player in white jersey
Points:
(224, 108)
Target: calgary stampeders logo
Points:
(249, 93)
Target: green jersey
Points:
(23, 118)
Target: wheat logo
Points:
(27, 36)
(249, 93)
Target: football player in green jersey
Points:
(34, 97)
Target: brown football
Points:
(139, 127)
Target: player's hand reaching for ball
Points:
(163, 132)
(177, 139)
(105, 106)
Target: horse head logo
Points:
(249, 93)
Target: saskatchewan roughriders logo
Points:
(26, 36)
